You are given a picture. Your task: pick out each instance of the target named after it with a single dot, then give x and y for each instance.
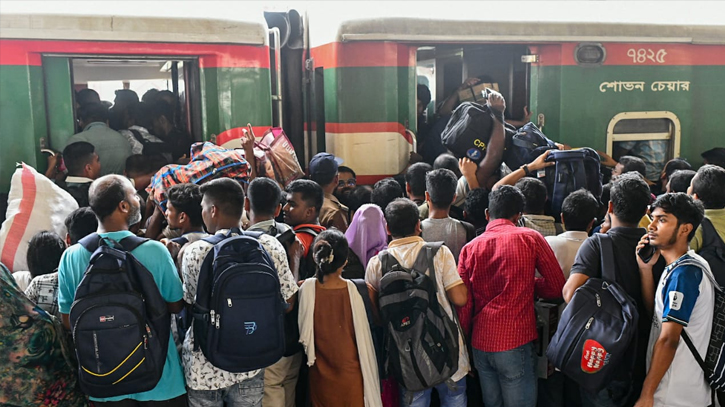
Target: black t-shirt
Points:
(624, 243)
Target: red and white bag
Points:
(35, 204)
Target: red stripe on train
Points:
(29, 52)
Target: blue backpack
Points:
(596, 329)
(119, 320)
(239, 310)
(525, 145)
(574, 169)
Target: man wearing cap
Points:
(715, 156)
(323, 170)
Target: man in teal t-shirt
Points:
(114, 201)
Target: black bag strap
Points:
(387, 261)
(425, 260)
(137, 135)
(607, 254)
(710, 237)
(94, 240)
(362, 289)
(308, 230)
(470, 231)
(181, 240)
(559, 229)
(698, 358)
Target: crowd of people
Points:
(327, 237)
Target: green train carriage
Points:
(221, 68)
(595, 85)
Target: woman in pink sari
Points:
(366, 236)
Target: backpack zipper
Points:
(574, 344)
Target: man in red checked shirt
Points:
(499, 269)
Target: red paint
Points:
(379, 127)
(619, 54)
(363, 54)
(238, 132)
(21, 219)
(370, 179)
(28, 52)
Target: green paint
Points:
(371, 95)
(58, 88)
(578, 113)
(22, 119)
(233, 97)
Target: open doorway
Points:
(144, 79)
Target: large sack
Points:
(35, 204)
(281, 156)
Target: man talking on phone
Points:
(629, 198)
(682, 301)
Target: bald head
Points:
(111, 193)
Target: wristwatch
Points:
(526, 170)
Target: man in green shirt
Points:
(708, 186)
(112, 148)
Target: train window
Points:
(587, 54)
(651, 136)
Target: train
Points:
(350, 88)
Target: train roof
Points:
(423, 30)
(128, 28)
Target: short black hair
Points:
(630, 196)
(631, 163)
(674, 165)
(475, 206)
(579, 210)
(81, 223)
(534, 191)
(92, 112)
(226, 194)
(715, 156)
(359, 196)
(680, 180)
(323, 178)
(709, 185)
(126, 95)
(682, 207)
(141, 114)
(86, 96)
(77, 155)
(447, 161)
(505, 202)
(423, 94)
(441, 185)
(415, 177)
(105, 194)
(310, 191)
(187, 198)
(402, 216)
(140, 164)
(161, 109)
(343, 168)
(44, 252)
(264, 196)
(150, 95)
(386, 191)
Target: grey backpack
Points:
(421, 341)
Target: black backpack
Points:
(120, 322)
(596, 329)
(574, 169)
(468, 131)
(421, 341)
(151, 147)
(713, 251)
(308, 267)
(525, 145)
(239, 310)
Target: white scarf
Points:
(366, 352)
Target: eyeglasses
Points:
(351, 182)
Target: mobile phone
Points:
(646, 252)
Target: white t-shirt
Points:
(684, 295)
(406, 250)
(565, 246)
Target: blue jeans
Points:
(616, 394)
(248, 393)
(508, 378)
(448, 398)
